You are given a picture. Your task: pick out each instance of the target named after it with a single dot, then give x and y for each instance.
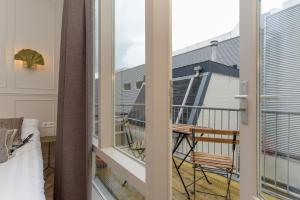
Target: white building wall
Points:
(221, 91)
(220, 94)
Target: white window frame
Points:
(249, 62)
(154, 178)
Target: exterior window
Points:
(127, 86)
(138, 85)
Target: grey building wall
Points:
(281, 60)
(131, 75)
(280, 80)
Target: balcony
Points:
(279, 156)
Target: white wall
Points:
(34, 24)
(221, 91)
(220, 94)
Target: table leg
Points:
(181, 136)
(191, 149)
(178, 143)
(181, 179)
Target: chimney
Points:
(214, 46)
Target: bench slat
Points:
(215, 140)
(219, 161)
(214, 131)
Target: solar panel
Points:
(179, 90)
(190, 101)
(193, 92)
(137, 112)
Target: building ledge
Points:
(129, 169)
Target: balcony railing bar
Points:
(288, 163)
(276, 134)
(280, 112)
(185, 106)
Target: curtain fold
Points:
(74, 119)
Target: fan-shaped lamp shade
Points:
(30, 58)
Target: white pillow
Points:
(29, 126)
(30, 123)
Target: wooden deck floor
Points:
(49, 183)
(218, 185)
(126, 193)
(177, 190)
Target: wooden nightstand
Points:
(48, 140)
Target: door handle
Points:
(241, 96)
(243, 101)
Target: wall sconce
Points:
(30, 58)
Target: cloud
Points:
(129, 33)
(193, 21)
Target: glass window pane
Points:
(206, 63)
(279, 98)
(129, 68)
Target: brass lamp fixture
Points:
(30, 58)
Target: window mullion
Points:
(158, 99)
(106, 74)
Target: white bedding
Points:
(21, 178)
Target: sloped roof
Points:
(228, 53)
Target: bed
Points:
(21, 177)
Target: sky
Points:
(193, 21)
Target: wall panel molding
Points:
(43, 39)
(3, 35)
(28, 94)
(34, 24)
(42, 109)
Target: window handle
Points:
(243, 98)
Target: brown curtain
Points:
(74, 128)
